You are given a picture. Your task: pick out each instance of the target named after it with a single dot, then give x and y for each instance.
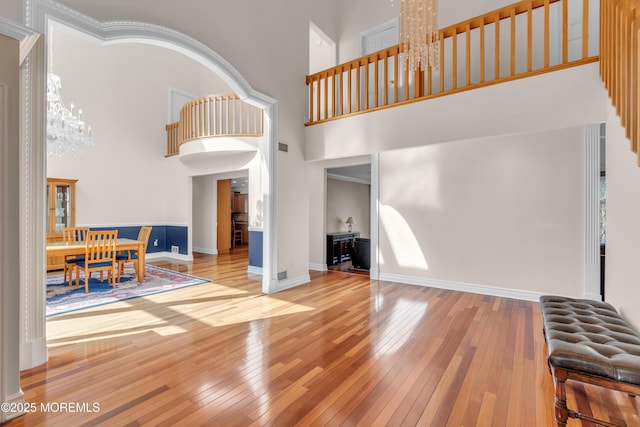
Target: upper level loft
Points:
(215, 123)
(525, 39)
(516, 41)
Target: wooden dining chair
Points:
(132, 255)
(72, 235)
(100, 255)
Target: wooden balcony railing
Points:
(516, 41)
(620, 62)
(173, 144)
(214, 116)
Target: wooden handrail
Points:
(344, 90)
(214, 116)
(620, 63)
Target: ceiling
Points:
(357, 173)
(240, 185)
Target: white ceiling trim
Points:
(348, 178)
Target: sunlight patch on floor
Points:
(212, 306)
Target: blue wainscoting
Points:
(255, 248)
(162, 237)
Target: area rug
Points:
(62, 299)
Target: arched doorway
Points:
(39, 13)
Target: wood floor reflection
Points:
(341, 350)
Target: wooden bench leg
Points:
(561, 410)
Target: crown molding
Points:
(14, 30)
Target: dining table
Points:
(122, 244)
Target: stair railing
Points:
(620, 62)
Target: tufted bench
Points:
(589, 341)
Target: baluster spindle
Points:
(497, 49)
(482, 51)
(454, 61)
(468, 53)
(529, 37)
(513, 43)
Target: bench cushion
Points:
(590, 337)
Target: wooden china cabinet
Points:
(61, 203)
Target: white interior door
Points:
(373, 40)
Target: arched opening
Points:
(41, 13)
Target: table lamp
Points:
(350, 221)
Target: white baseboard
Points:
(180, 257)
(207, 251)
(595, 297)
(14, 400)
(33, 353)
(291, 283)
(254, 270)
(317, 267)
(463, 287)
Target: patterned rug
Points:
(62, 299)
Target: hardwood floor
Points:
(342, 350)
(347, 267)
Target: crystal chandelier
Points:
(66, 133)
(419, 37)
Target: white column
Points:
(269, 153)
(10, 391)
(33, 346)
(374, 272)
(592, 212)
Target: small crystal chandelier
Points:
(419, 37)
(66, 133)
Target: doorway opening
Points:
(348, 218)
(221, 210)
(232, 217)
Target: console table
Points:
(340, 245)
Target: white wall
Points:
(503, 212)
(123, 90)
(623, 229)
(348, 199)
(12, 9)
(292, 213)
(322, 50)
(205, 195)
